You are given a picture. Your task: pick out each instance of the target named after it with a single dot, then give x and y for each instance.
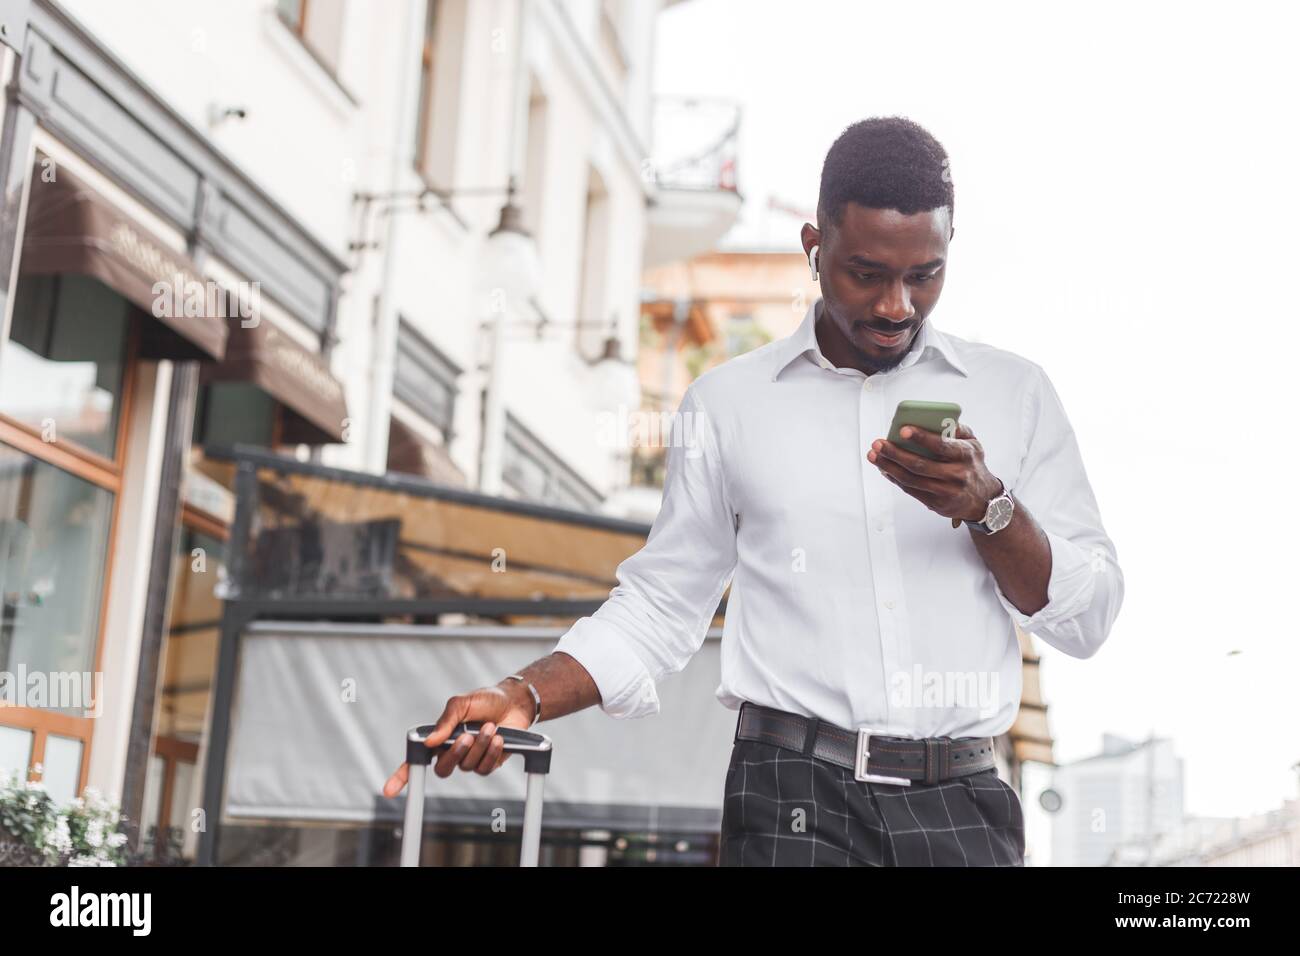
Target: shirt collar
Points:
(804, 339)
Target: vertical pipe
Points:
(491, 460)
(382, 359)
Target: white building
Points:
(348, 159)
(337, 97)
(1127, 795)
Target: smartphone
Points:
(932, 416)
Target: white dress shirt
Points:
(850, 600)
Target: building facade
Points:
(262, 222)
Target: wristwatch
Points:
(537, 698)
(998, 514)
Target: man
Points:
(870, 640)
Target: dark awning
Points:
(296, 377)
(73, 229)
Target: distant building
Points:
(1125, 796)
(1262, 839)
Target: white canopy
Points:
(321, 711)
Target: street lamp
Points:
(616, 381)
(510, 265)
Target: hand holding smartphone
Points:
(941, 417)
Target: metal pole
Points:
(413, 824)
(532, 819)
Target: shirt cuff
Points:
(1069, 589)
(625, 685)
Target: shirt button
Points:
(867, 385)
(890, 605)
(880, 526)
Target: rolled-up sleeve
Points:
(656, 617)
(1086, 587)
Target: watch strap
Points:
(981, 526)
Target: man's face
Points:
(881, 274)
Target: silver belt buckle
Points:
(860, 763)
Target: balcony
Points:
(695, 196)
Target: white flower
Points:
(59, 839)
(116, 839)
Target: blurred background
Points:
(340, 338)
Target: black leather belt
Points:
(873, 758)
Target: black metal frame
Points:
(153, 637)
(240, 611)
(421, 488)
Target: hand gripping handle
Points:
(536, 748)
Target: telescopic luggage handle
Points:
(536, 750)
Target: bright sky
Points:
(1126, 210)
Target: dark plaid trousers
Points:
(783, 808)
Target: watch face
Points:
(999, 515)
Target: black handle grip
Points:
(536, 748)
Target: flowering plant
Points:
(34, 830)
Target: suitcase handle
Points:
(536, 748)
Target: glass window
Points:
(233, 412)
(65, 361)
(54, 531)
(62, 766)
(15, 752)
(291, 12)
(189, 661)
(190, 653)
(152, 797)
(319, 25)
(425, 101)
(533, 471)
(182, 796)
(425, 379)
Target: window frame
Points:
(424, 95)
(102, 473)
(437, 366)
(298, 31)
(562, 482)
(170, 750)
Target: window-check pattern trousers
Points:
(783, 808)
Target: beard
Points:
(878, 364)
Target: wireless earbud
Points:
(812, 260)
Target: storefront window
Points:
(65, 362)
(233, 412)
(54, 530)
(185, 683)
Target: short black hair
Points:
(885, 162)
